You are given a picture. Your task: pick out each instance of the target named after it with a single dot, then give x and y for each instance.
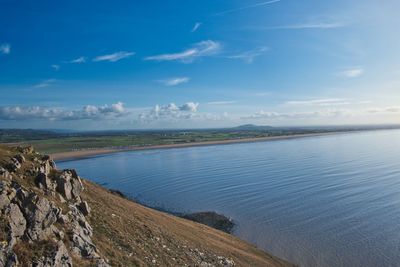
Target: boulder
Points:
(69, 185)
(81, 235)
(40, 215)
(17, 223)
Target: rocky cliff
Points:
(51, 217)
(43, 217)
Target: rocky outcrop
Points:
(39, 203)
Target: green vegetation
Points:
(52, 142)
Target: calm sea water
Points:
(320, 201)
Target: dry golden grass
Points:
(129, 234)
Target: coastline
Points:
(87, 153)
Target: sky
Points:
(94, 65)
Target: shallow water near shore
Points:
(318, 201)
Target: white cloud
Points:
(246, 7)
(114, 57)
(248, 56)
(320, 102)
(190, 106)
(5, 48)
(79, 60)
(353, 72)
(169, 112)
(55, 67)
(196, 26)
(45, 83)
(201, 49)
(89, 112)
(175, 81)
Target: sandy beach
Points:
(78, 154)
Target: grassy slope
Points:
(130, 234)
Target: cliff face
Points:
(43, 217)
(51, 217)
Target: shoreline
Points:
(87, 153)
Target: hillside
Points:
(52, 217)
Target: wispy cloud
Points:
(263, 94)
(45, 83)
(246, 7)
(55, 67)
(174, 81)
(78, 60)
(221, 102)
(320, 102)
(114, 57)
(5, 48)
(201, 49)
(352, 72)
(249, 56)
(88, 112)
(196, 26)
(385, 110)
(299, 115)
(312, 25)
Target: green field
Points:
(52, 142)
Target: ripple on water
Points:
(326, 201)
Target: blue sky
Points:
(209, 63)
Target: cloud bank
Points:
(169, 112)
(88, 112)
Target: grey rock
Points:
(17, 222)
(12, 260)
(83, 245)
(44, 182)
(4, 173)
(58, 258)
(102, 263)
(81, 235)
(84, 208)
(27, 150)
(4, 199)
(14, 165)
(40, 215)
(69, 185)
(20, 158)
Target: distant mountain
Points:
(252, 127)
